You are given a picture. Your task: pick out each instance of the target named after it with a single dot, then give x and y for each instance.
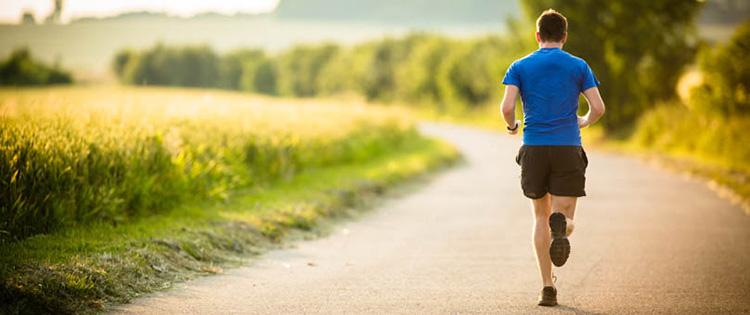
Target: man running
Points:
(553, 163)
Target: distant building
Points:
(27, 18)
(55, 16)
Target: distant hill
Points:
(408, 12)
(141, 16)
(122, 17)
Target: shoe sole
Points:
(559, 250)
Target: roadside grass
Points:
(705, 145)
(729, 182)
(88, 269)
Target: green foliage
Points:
(121, 61)
(188, 66)
(261, 78)
(637, 49)
(298, 69)
(726, 76)
(416, 78)
(416, 69)
(380, 69)
(713, 129)
(21, 69)
(235, 64)
(471, 74)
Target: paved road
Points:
(646, 241)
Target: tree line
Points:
(419, 68)
(20, 69)
(638, 50)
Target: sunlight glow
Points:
(11, 10)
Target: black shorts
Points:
(558, 170)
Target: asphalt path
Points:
(646, 241)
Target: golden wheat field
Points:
(78, 154)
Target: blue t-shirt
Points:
(550, 81)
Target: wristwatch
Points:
(514, 127)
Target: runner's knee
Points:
(563, 203)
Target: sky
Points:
(11, 10)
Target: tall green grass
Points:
(75, 155)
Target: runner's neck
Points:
(550, 45)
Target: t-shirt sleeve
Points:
(512, 76)
(589, 79)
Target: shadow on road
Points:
(573, 309)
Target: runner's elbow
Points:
(598, 110)
(507, 110)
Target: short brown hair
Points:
(551, 26)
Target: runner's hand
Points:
(515, 131)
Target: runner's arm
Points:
(508, 107)
(596, 108)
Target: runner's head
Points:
(551, 27)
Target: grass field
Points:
(74, 155)
(109, 192)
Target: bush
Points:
(726, 76)
(716, 139)
(21, 69)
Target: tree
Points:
(382, 60)
(121, 61)
(469, 75)
(233, 65)
(21, 69)
(264, 78)
(415, 77)
(299, 68)
(194, 66)
(637, 49)
(27, 18)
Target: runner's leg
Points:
(566, 205)
(542, 237)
